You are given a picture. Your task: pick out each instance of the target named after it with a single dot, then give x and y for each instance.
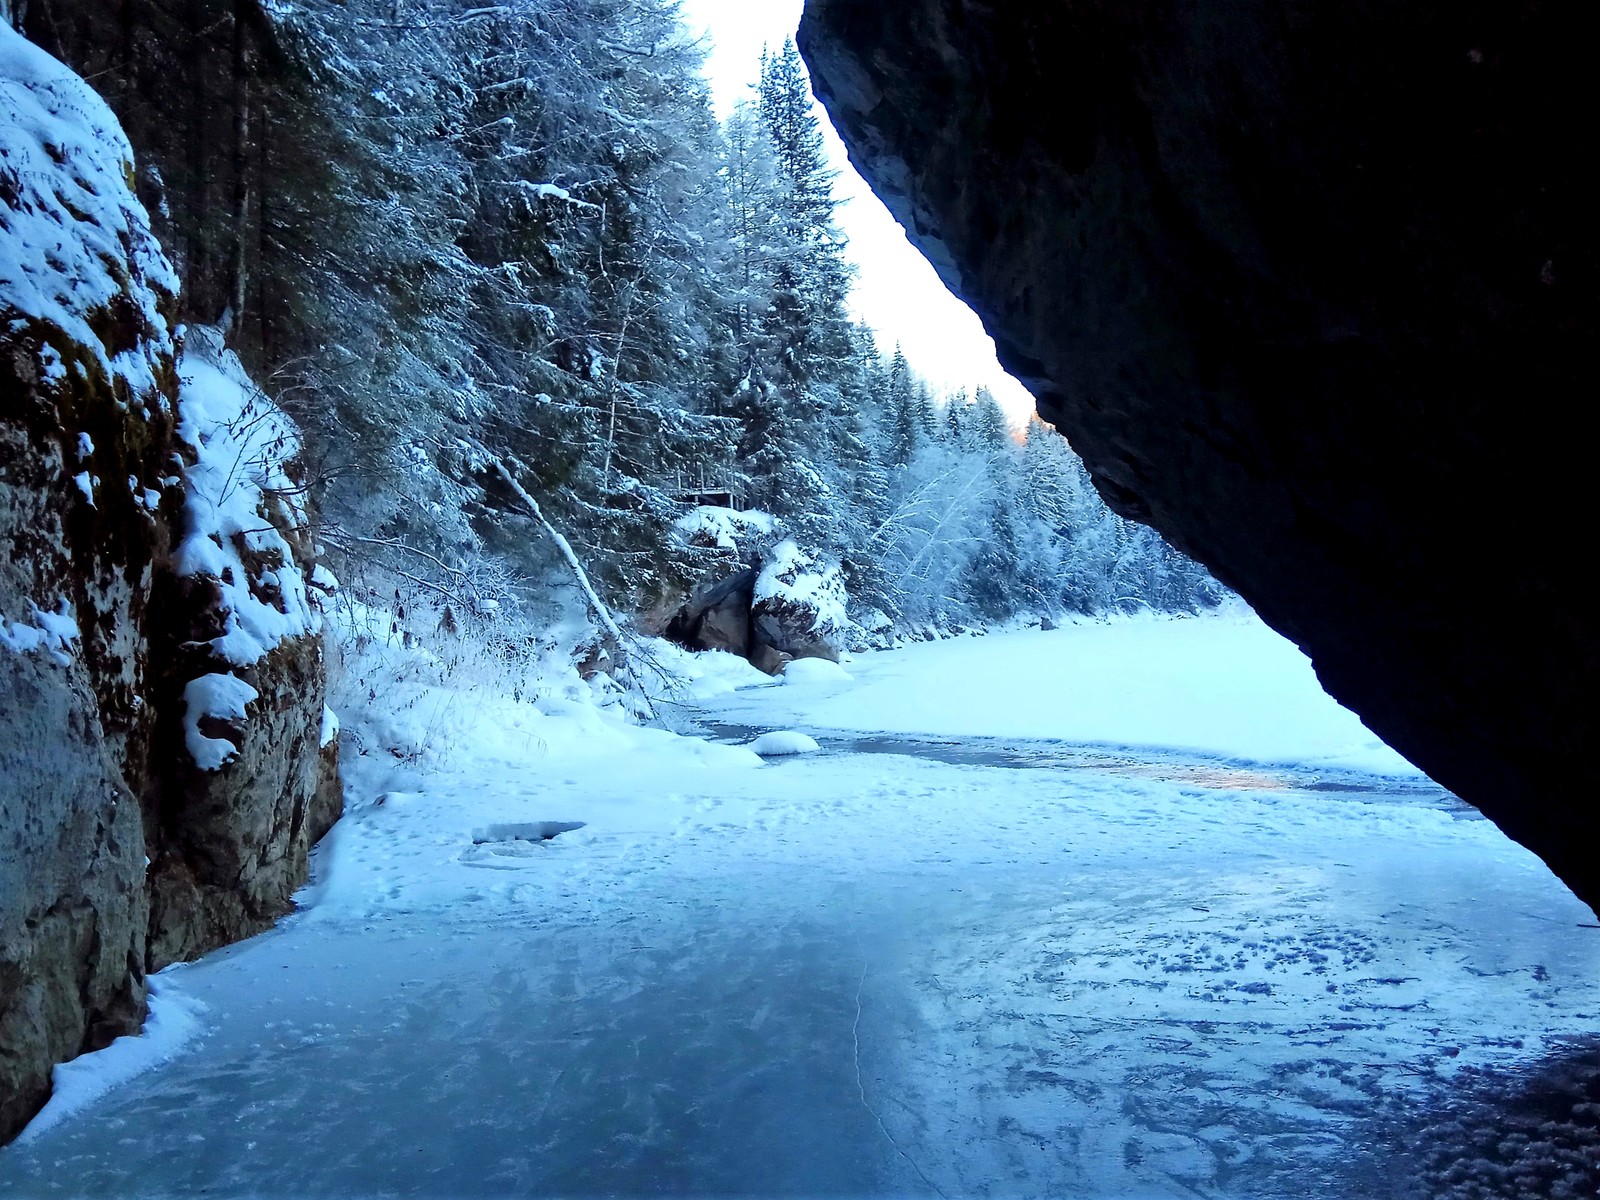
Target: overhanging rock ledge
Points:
(1312, 289)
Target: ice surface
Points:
(862, 974)
(524, 831)
(173, 1024)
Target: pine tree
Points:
(454, 239)
(907, 431)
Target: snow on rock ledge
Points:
(784, 743)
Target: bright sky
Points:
(897, 293)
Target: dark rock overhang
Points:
(1311, 287)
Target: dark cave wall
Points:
(1311, 287)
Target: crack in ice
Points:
(861, 1088)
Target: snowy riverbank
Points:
(864, 973)
(1222, 686)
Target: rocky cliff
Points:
(162, 773)
(1312, 289)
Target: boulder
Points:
(793, 606)
(770, 659)
(717, 616)
(799, 605)
(1312, 289)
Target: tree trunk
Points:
(238, 234)
(196, 228)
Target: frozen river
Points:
(901, 967)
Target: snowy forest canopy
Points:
(496, 254)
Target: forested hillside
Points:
(515, 280)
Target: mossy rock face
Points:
(86, 436)
(118, 854)
(234, 843)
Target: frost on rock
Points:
(51, 632)
(75, 244)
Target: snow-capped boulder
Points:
(799, 607)
(784, 743)
(816, 673)
(707, 581)
(793, 607)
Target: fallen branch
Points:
(601, 612)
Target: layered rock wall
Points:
(1312, 289)
(104, 804)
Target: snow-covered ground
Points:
(893, 967)
(1222, 686)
